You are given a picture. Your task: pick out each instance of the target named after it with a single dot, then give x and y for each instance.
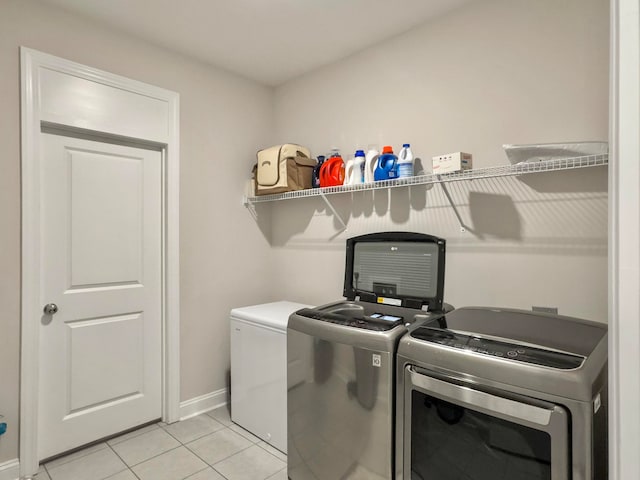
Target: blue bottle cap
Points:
(359, 153)
(406, 145)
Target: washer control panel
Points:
(376, 322)
(495, 348)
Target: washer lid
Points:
(396, 268)
(275, 314)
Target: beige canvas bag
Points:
(283, 168)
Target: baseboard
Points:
(203, 403)
(10, 470)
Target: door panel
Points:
(100, 354)
(91, 360)
(106, 209)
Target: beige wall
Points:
(223, 120)
(493, 72)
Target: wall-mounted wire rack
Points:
(478, 173)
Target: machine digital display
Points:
(386, 318)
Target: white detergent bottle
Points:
(359, 163)
(405, 162)
(370, 163)
(354, 170)
(350, 172)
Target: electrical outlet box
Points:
(452, 162)
(553, 310)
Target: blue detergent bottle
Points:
(387, 168)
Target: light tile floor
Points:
(206, 447)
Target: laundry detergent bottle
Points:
(405, 162)
(370, 163)
(332, 171)
(359, 163)
(349, 170)
(355, 169)
(315, 177)
(387, 168)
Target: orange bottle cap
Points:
(387, 149)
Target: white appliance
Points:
(259, 369)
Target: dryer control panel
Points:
(510, 351)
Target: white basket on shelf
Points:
(553, 151)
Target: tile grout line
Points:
(197, 438)
(199, 471)
(151, 458)
(44, 465)
(222, 459)
(240, 451)
(258, 444)
(130, 467)
(260, 440)
(271, 476)
(122, 460)
(208, 465)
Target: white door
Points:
(100, 353)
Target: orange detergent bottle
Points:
(332, 170)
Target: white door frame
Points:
(33, 64)
(624, 241)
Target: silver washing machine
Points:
(340, 413)
(486, 393)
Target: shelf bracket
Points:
(251, 207)
(463, 226)
(333, 210)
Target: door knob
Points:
(50, 309)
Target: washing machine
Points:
(341, 406)
(259, 369)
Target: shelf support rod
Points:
(463, 226)
(333, 210)
(251, 207)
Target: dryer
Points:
(487, 393)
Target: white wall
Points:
(223, 120)
(492, 72)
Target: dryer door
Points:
(453, 430)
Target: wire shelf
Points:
(479, 173)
